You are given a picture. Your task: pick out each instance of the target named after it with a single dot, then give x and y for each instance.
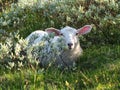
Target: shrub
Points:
(11, 52)
(103, 15)
(16, 52)
(5, 4)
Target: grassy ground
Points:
(97, 69)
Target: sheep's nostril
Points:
(70, 45)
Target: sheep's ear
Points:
(85, 29)
(53, 30)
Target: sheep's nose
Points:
(70, 45)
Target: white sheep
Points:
(34, 35)
(68, 37)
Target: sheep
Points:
(34, 35)
(66, 37)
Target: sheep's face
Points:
(70, 35)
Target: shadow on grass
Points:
(99, 57)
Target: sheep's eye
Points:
(76, 33)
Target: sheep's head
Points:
(70, 35)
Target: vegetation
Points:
(97, 69)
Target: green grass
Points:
(97, 69)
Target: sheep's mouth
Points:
(69, 47)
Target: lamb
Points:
(34, 35)
(66, 37)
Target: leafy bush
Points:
(11, 52)
(103, 15)
(17, 52)
(46, 51)
(5, 4)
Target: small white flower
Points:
(20, 64)
(17, 49)
(12, 64)
(4, 23)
